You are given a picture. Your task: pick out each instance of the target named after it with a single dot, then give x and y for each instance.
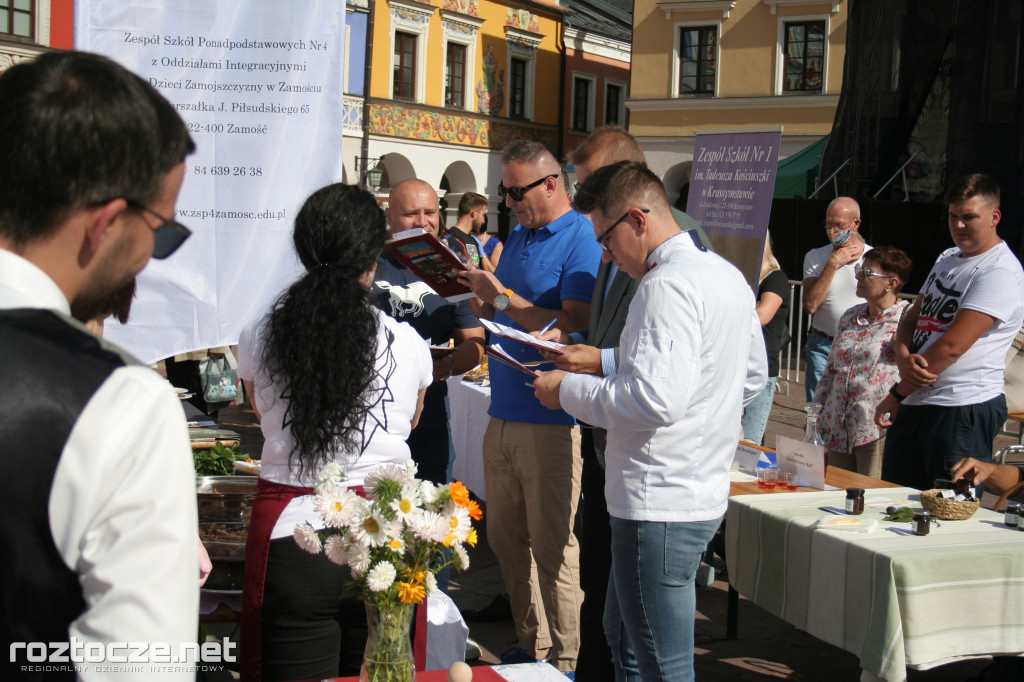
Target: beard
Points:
(112, 289)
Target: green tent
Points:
(797, 174)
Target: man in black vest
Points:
(97, 494)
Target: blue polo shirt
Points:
(545, 266)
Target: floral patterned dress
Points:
(861, 370)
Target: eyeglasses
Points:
(517, 193)
(836, 227)
(861, 271)
(604, 235)
(168, 235)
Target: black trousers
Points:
(428, 442)
(594, 661)
(309, 630)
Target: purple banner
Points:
(731, 187)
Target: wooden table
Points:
(840, 478)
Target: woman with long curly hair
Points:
(332, 379)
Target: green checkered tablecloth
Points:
(893, 599)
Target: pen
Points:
(548, 326)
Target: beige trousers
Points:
(532, 473)
(865, 459)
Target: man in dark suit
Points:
(613, 291)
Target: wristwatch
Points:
(895, 394)
(504, 299)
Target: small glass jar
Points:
(1012, 515)
(922, 522)
(855, 500)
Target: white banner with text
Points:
(259, 84)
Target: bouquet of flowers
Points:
(394, 540)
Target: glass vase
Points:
(388, 656)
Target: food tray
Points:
(225, 498)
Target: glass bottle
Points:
(811, 428)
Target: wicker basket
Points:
(948, 509)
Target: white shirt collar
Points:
(24, 285)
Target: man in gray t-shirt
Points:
(829, 284)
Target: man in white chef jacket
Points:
(100, 580)
(691, 356)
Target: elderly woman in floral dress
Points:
(862, 364)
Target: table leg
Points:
(732, 614)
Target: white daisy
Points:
(358, 559)
(306, 538)
(411, 467)
(429, 526)
(336, 549)
(459, 523)
(428, 494)
(330, 474)
(430, 583)
(381, 576)
(370, 528)
(389, 471)
(337, 505)
(460, 551)
(407, 502)
(396, 544)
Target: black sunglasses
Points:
(168, 235)
(517, 193)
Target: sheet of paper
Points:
(806, 460)
(523, 337)
(496, 352)
(747, 457)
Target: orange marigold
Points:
(411, 593)
(475, 512)
(460, 494)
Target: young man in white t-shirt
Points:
(951, 346)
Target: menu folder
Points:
(431, 261)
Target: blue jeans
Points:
(652, 599)
(818, 348)
(755, 418)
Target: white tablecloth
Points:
(894, 599)
(469, 403)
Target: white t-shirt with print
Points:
(992, 283)
(403, 368)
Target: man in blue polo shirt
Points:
(532, 459)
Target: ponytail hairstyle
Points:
(320, 340)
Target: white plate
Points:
(185, 396)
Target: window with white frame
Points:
(517, 88)
(522, 64)
(460, 39)
(455, 76)
(696, 63)
(803, 44)
(614, 103)
(17, 19)
(404, 66)
(410, 24)
(583, 95)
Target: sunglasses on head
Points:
(517, 193)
